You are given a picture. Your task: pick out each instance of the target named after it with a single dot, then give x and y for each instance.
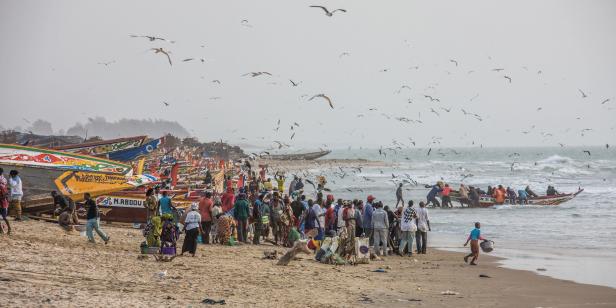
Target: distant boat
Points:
(299, 156)
(98, 148)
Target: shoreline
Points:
(43, 265)
(554, 264)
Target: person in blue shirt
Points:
(367, 218)
(165, 204)
(522, 196)
(474, 238)
(431, 197)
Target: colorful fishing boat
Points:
(131, 154)
(99, 148)
(43, 170)
(488, 201)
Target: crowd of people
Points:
(256, 211)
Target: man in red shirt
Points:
(445, 196)
(330, 215)
(205, 209)
(227, 199)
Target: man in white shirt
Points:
(320, 212)
(408, 228)
(423, 226)
(16, 193)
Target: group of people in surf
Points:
(471, 196)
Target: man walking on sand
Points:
(205, 209)
(423, 226)
(93, 223)
(474, 238)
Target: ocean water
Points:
(573, 241)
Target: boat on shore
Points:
(98, 148)
(44, 170)
(554, 200)
(298, 156)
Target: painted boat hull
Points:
(103, 147)
(124, 208)
(16, 155)
(136, 152)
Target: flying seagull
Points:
(325, 97)
(402, 87)
(508, 78)
(216, 81)
(432, 99)
(583, 94)
(188, 59)
(587, 152)
(344, 54)
(255, 74)
(107, 63)
(429, 150)
(152, 38)
(327, 12)
(166, 104)
(166, 53)
(293, 83)
(453, 61)
(605, 101)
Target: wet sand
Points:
(42, 265)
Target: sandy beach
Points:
(42, 265)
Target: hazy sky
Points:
(550, 49)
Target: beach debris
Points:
(299, 246)
(541, 269)
(162, 274)
(327, 12)
(365, 299)
(379, 270)
(210, 301)
(270, 254)
(164, 258)
(484, 276)
(169, 297)
(449, 292)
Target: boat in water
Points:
(488, 201)
(298, 156)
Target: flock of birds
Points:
(396, 146)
